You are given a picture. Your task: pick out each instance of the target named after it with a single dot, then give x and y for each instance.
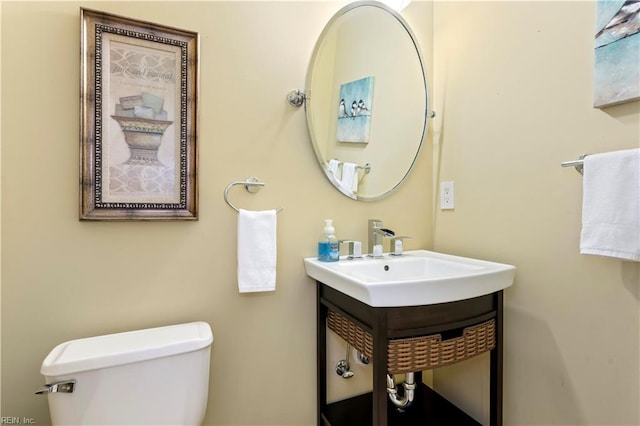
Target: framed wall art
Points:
(617, 52)
(139, 92)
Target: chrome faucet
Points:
(377, 233)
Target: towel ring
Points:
(251, 184)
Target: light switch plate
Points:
(447, 196)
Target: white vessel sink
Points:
(418, 277)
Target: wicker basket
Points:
(419, 353)
(352, 333)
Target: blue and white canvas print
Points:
(354, 110)
(617, 52)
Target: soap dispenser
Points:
(328, 246)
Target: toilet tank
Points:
(156, 376)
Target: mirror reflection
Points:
(367, 100)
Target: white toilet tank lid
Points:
(124, 348)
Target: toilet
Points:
(156, 376)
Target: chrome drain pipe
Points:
(409, 386)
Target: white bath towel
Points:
(334, 168)
(350, 176)
(611, 205)
(256, 251)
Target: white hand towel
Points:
(334, 168)
(256, 251)
(611, 205)
(350, 176)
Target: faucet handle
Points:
(355, 248)
(397, 245)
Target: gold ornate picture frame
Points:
(139, 95)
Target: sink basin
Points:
(418, 277)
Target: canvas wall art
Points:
(354, 110)
(617, 52)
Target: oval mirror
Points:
(366, 100)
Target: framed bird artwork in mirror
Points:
(138, 148)
(354, 110)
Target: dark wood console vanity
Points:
(444, 329)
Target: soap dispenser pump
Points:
(328, 246)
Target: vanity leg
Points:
(496, 391)
(321, 354)
(380, 369)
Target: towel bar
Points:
(251, 184)
(366, 167)
(578, 164)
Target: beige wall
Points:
(64, 279)
(513, 84)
